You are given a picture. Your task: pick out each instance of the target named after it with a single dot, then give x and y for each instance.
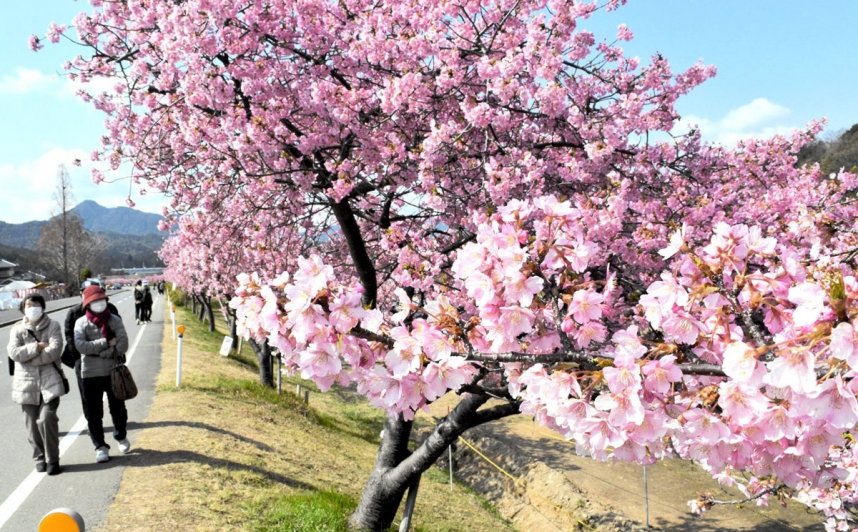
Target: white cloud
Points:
(29, 187)
(94, 86)
(758, 111)
(759, 118)
(24, 81)
(27, 80)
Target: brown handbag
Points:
(122, 383)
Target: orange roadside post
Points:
(62, 520)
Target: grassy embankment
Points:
(224, 453)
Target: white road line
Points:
(17, 497)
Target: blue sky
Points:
(781, 63)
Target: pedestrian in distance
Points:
(35, 345)
(138, 301)
(102, 341)
(146, 312)
(71, 356)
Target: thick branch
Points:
(357, 248)
(463, 417)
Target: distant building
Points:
(7, 269)
(137, 271)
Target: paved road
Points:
(84, 485)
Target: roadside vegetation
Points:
(222, 452)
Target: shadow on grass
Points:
(132, 425)
(142, 457)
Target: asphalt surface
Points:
(84, 486)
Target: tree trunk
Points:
(193, 302)
(233, 327)
(381, 498)
(207, 302)
(263, 355)
(202, 313)
(396, 468)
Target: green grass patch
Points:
(317, 511)
(343, 413)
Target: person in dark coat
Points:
(70, 352)
(138, 301)
(35, 344)
(101, 339)
(147, 305)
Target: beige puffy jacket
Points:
(36, 375)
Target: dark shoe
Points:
(40, 467)
(54, 469)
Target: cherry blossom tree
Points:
(479, 197)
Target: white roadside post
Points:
(181, 331)
(173, 319)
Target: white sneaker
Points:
(124, 446)
(101, 455)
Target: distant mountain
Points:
(121, 220)
(130, 237)
(23, 235)
(96, 219)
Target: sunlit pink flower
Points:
(522, 290)
(741, 402)
(794, 369)
(809, 299)
(623, 408)
(586, 305)
(740, 361)
(681, 327)
(592, 331)
(677, 240)
(844, 344)
(661, 373)
(404, 306)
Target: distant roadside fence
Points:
(10, 300)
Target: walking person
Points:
(101, 339)
(35, 344)
(138, 301)
(70, 352)
(147, 305)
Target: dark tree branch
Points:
(458, 421)
(357, 248)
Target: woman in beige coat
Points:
(35, 344)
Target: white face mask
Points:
(33, 313)
(98, 306)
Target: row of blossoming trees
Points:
(478, 197)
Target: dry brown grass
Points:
(215, 451)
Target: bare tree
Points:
(64, 244)
(64, 199)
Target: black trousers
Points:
(94, 389)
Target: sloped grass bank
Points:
(224, 453)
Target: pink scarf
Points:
(101, 321)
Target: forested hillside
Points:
(832, 155)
